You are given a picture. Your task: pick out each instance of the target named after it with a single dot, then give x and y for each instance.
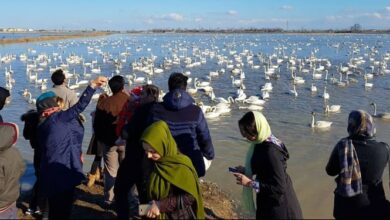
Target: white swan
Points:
(332, 108)
(384, 115)
(254, 100)
(252, 107)
(267, 87)
(326, 95)
(30, 99)
(294, 91)
(313, 88)
(367, 85)
(319, 124)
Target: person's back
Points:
(12, 167)
(186, 122)
(61, 90)
(372, 157)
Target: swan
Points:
(212, 113)
(319, 124)
(313, 88)
(241, 96)
(294, 91)
(30, 99)
(267, 87)
(201, 84)
(316, 75)
(139, 79)
(367, 85)
(265, 95)
(236, 82)
(332, 108)
(252, 107)
(254, 100)
(384, 115)
(81, 82)
(326, 95)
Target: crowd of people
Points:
(155, 152)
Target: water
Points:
(289, 117)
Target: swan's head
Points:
(313, 113)
(373, 104)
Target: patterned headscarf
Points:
(360, 123)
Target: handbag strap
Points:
(180, 205)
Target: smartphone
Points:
(143, 209)
(233, 170)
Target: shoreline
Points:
(89, 203)
(60, 36)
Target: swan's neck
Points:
(312, 121)
(374, 110)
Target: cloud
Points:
(173, 17)
(287, 7)
(232, 12)
(149, 21)
(198, 19)
(387, 8)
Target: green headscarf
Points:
(263, 131)
(172, 168)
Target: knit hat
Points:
(4, 93)
(46, 100)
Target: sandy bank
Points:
(52, 37)
(89, 203)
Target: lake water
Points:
(289, 116)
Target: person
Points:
(134, 169)
(4, 94)
(31, 120)
(358, 161)
(12, 168)
(266, 158)
(173, 186)
(61, 90)
(60, 135)
(186, 122)
(104, 125)
(94, 148)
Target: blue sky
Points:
(149, 14)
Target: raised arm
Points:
(84, 100)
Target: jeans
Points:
(10, 212)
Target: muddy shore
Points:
(89, 203)
(52, 37)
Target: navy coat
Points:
(60, 137)
(188, 127)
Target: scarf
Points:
(264, 132)
(360, 124)
(172, 168)
(113, 104)
(49, 111)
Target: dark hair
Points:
(4, 94)
(151, 91)
(247, 125)
(116, 83)
(58, 77)
(177, 81)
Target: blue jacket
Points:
(60, 137)
(188, 126)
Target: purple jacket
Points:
(187, 125)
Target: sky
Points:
(209, 14)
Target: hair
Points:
(247, 125)
(60, 102)
(58, 77)
(177, 81)
(116, 84)
(151, 91)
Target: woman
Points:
(60, 135)
(133, 168)
(173, 186)
(266, 158)
(358, 161)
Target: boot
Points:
(91, 180)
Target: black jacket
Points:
(277, 198)
(373, 157)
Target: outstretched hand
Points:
(241, 179)
(98, 82)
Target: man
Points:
(61, 90)
(4, 94)
(104, 125)
(186, 122)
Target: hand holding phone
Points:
(143, 209)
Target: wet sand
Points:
(60, 36)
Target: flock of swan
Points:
(204, 63)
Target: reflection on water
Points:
(289, 116)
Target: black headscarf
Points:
(4, 94)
